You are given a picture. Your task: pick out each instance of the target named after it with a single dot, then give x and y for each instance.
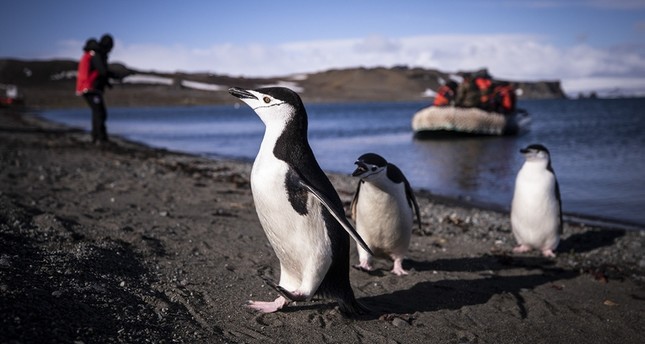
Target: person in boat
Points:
(484, 84)
(446, 94)
(467, 92)
(92, 78)
(504, 99)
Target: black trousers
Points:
(99, 115)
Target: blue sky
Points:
(589, 45)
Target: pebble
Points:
(398, 322)
(609, 303)
(4, 261)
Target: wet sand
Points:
(124, 243)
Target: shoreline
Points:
(460, 200)
(130, 243)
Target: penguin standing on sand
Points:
(536, 210)
(382, 209)
(298, 207)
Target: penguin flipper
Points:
(557, 196)
(395, 174)
(340, 218)
(412, 199)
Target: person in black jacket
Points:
(99, 79)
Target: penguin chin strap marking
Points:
(374, 173)
(266, 106)
(369, 174)
(363, 172)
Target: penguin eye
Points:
(373, 168)
(266, 99)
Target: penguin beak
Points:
(241, 93)
(524, 150)
(360, 169)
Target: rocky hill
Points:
(51, 84)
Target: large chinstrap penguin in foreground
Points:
(298, 208)
(382, 209)
(536, 209)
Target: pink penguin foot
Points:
(364, 266)
(548, 253)
(268, 306)
(398, 268)
(521, 248)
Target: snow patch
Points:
(457, 78)
(429, 93)
(147, 79)
(159, 80)
(67, 74)
(288, 84)
(299, 77)
(202, 86)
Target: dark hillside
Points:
(51, 84)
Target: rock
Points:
(398, 322)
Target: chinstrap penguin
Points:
(536, 210)
(382, 210)
(298, 207)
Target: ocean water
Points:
(597, 147)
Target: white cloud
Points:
(510, 56)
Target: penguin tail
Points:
(350, 307)
(347, 303)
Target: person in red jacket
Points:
(446, 94)
(92, 77)
(485, 86)
(86, 75)
(504, 98)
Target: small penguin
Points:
(536, 209)
(382, 210)
(298, 207)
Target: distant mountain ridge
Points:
(51, 84)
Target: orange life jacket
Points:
(445, 95)
(484, 84)
(86, 76)
(504, 97)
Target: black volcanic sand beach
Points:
(123, 243)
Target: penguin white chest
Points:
(295, 237)
(535, 207)
(384, 219)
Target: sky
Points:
(593, 45)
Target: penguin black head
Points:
(369, 164)
(535, 152)
(276, 106)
